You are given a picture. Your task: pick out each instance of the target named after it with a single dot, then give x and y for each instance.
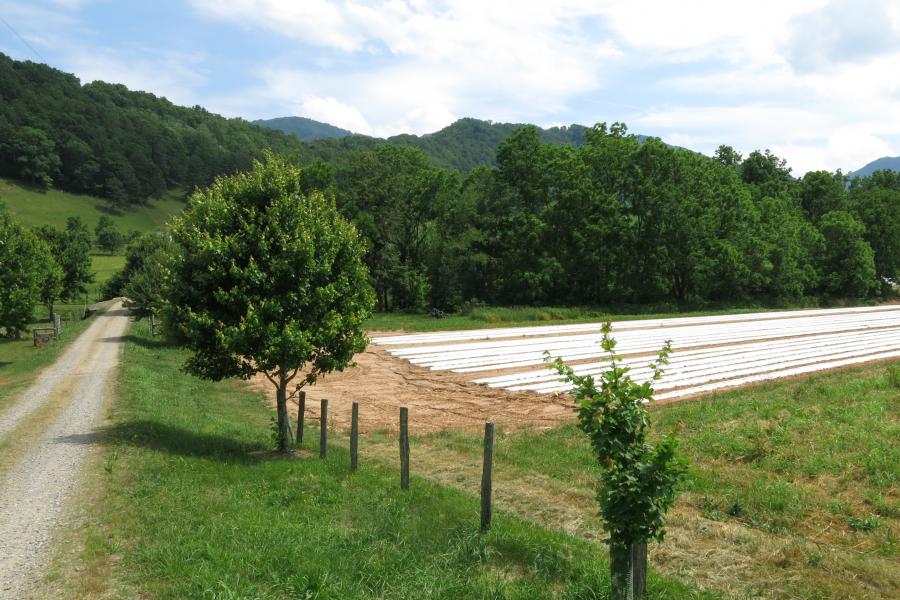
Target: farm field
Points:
(793, 493)
(710, 353)
(188, 501)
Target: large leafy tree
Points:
(72, 251)
(25, 267)
(33, 156)
(265, 279)
(107, 236)
(392, 195)
(876, 201)
(848, 261)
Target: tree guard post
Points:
(639, 568)
(323, 429)
(486, 473)
(301, 415)
(621, 570)
(404, 448)
(354, 436)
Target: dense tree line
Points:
(617, 219)
(39, 266)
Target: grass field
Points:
(512, 316)
(794, 489)
(53, 207)
(196, 506)
(104, 267)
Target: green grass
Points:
(32, 208)
(512, 316)
(801, 475)
(20, 360)
(197, 507)
(104, 267)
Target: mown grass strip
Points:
(798, 477)
(197, 506)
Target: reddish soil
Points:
(437, 400)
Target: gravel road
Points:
(35, 490)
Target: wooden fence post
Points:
(301, 416)
(486, 473)
(323, 429)
(404, 448)
(354, 436)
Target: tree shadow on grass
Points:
(166, 438)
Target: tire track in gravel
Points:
(34, 492)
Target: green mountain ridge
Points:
(463, 145)
(304, 128)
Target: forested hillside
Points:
(104, 140)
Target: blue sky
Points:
(814, 80)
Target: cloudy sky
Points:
(816, 81)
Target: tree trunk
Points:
(284, 423)
(50, 311)
(621, 582)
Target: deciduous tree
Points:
(265, 279)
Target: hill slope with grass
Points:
(32, 207)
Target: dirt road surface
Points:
(35, 489)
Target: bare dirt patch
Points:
(437, 400)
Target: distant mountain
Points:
(469, 143)
(463, 145)
(885, 163)
(303, 128)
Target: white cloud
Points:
(335, 112)
(420, 65)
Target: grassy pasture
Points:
(32, 208)
(195, 505)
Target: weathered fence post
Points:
(57, 325)
(404, 448)
(301, 415)
(323, 429)
(639, 566)
(486, 472)
(152, 325)
(354, 436)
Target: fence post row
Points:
(404, 448)
(301, 416)
(486, 475)
(354, 437)
(323, 429)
